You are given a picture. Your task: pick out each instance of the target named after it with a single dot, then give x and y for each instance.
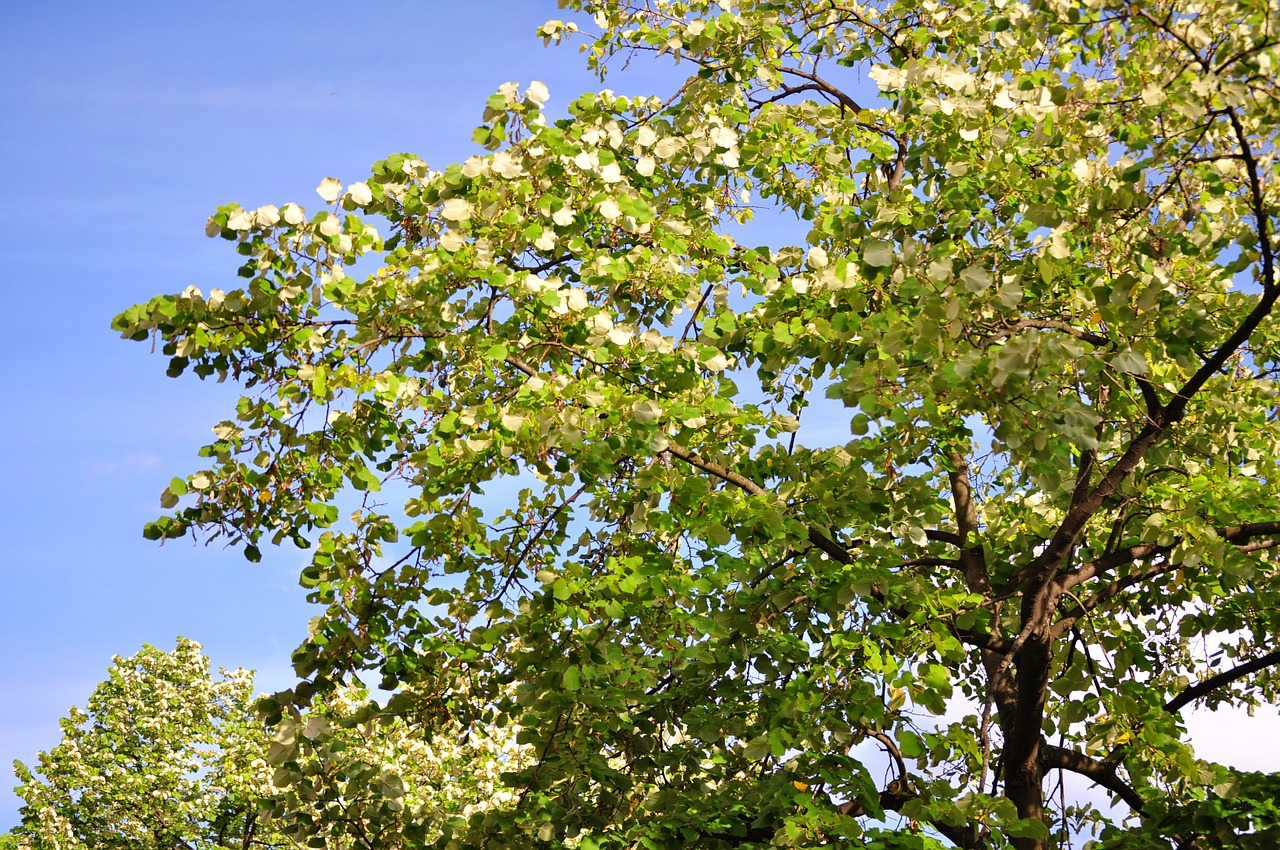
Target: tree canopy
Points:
(165, 755)
(981, 474)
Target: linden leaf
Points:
(877, 252)
(266, 216)
(328, 190)
(360, 194)
(645, 411)
(456, 209)
(888, 78)
(1130, 361)
(609, 209)
(666, 147)
(975, 278)
(537, 93)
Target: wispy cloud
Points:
(130, 463)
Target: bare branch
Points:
(825, 87)
(1007, 330)
(721, 472)
(541, 267)
(892, 749)
(897, 794)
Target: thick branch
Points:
(1246, 531)
(1100, 772)
(1242, 536)
(1111, 560)
(1079, 514)
(994, 643)
(1270, 291)
(1064, 538)
(940, 536)
(1111, 591)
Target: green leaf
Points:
(757, 748)
(877, 252)
(1028, 828)
(572, 680)
(910, 745)
(1130, 361)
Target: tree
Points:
(982, 474)
(166, 755)
(150, 762)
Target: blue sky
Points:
(124, 126)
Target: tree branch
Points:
(1078, 516)
(824, 87)
(1007, 330)
(1108, 593)
(1270, 291)
(1101, 773)
(1111, 560)
(892, 749)
(896, 795)
(1241, 536)
(973, 560)
(940, 536)
(1248, 530)
(1211, 684)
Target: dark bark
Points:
(1211, 684)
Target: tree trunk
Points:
(1024, 786)
(1023, 769)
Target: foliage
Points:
(166, 755)
(352, 779)
(144, 764)
(982, 474)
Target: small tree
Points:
(156, 759)
(1033, 521)
(166, 755)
